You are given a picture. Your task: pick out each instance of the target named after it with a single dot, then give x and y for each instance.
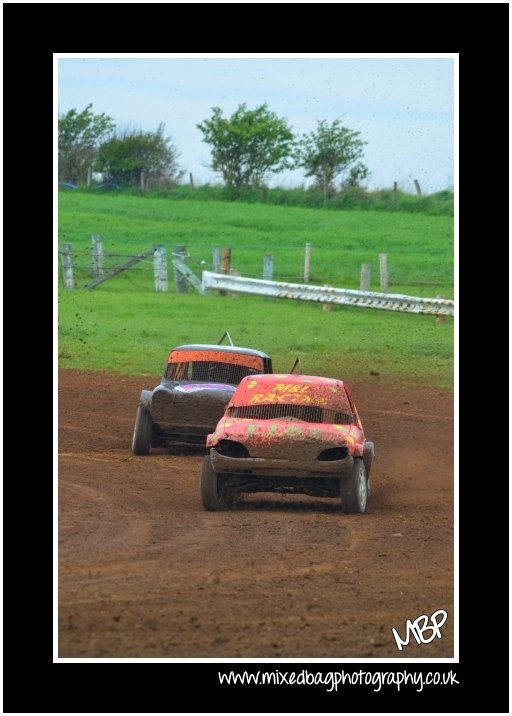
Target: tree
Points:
(79, 137)
(123, 157)
(357, 173)
(330, 151)
(247, 145)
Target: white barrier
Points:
(325, 294)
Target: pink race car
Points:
(289, 433)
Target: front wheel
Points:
(212, 495)
(368, 458)
(141, 441)
(354, 489)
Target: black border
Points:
(31, 34)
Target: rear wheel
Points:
(141, 441)
(354, 489)
(212, 494)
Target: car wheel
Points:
(368, 458)
(142, 432)
(211, 493)
(354, 489)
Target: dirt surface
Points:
(144, 571)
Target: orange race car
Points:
(289, 433)
(198, 381)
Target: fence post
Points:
(160, 268)
(225, 265)
(268, 270)
(307, 262)
(418, 188)
(366, 272)
(191, 180)
(225, 260)
(89, 176)
(143, 182)
(180, 282)
(67, 266)
(268, 267)
(395, 191)
(97, 255)
(383, 265)
(216, 259)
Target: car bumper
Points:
(276, 467)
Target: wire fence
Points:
(150, 269)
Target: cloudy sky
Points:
(403, 106)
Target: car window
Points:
(308, 413)
(214, 356)
(313, 393)
(208, 372)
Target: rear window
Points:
(308, 413)
(213, 356)
(209, 372)
(326, 395)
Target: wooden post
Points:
(225, 265)
(225, 260)
(67, 266)
(366, 272)
(216, 259)
(418, 188)
(191, 180)
(143, 182)
(268, 267)
(383, 265)
(395, 192)
(441, 319)
(160, 268)
(89, 176)
(307, 262)
(180, 282)
(97, 255)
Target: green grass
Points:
(419, 247)
(123, 325)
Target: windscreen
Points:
(212, 366)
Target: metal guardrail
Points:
(187, 273)
(327, 294)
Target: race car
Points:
(289, 433)
(198, 381)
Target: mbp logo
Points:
(421, 625)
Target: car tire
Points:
(354, 489)
(141, 441)
(368, 458)
(211, 493)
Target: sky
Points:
(402, 106)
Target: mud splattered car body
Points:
(289, 433)
(198, 382)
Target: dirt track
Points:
(144, 571)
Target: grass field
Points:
(124, 325)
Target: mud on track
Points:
(144, 571)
